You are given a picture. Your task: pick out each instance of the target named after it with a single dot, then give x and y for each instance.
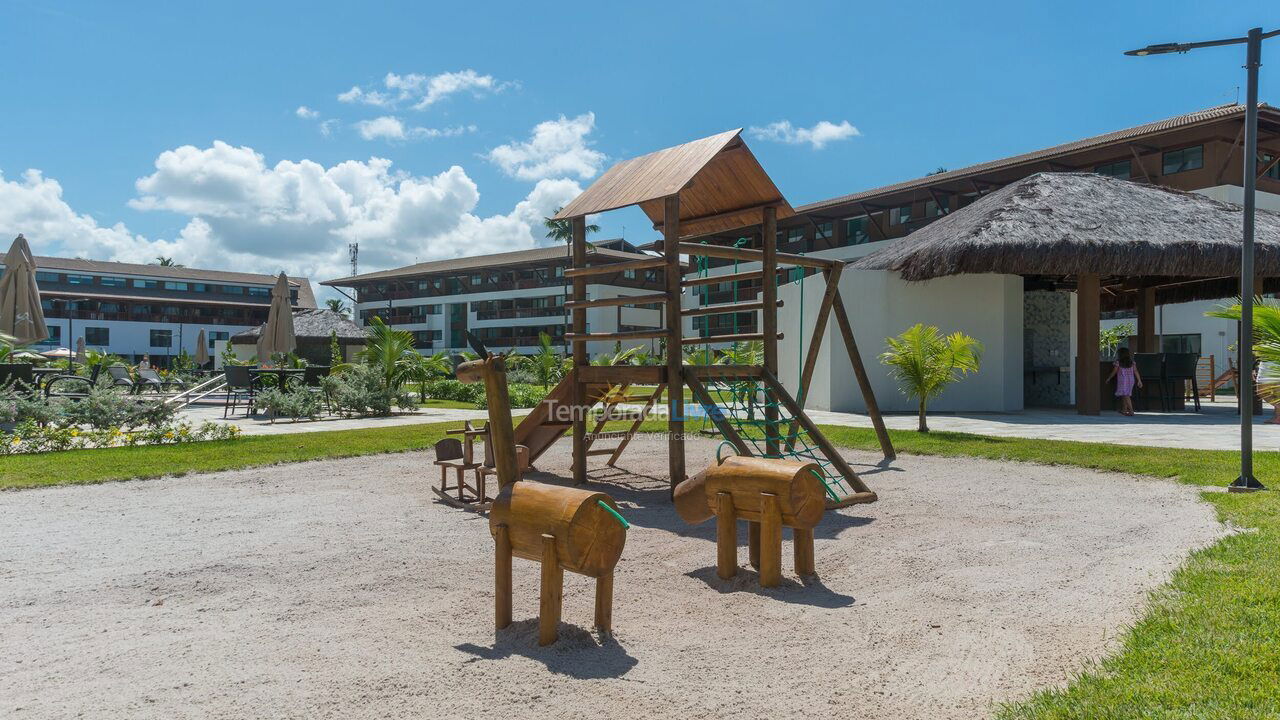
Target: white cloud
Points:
(817, 137)
(300, 215)
(556, 148)
(306, 113)
(327, 126)
(423, 91)
(390, 127)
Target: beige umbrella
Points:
(20, 313)
(57, 353)
(202, 351)
(80, 356)
(277, 334)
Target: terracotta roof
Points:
(478, 262)
(78, 265)
(1199, 117)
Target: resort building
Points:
(506, 300)
(134, 310)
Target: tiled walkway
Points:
(1215, 428)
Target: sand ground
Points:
(341, 589)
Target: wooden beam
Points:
(871, 219)
(585, 270)
(1146, 320)
(724, 308)
(675, 338)
(739, 337)
(623, 374)
(836, 459)
(723, 371)
(1227, 160)
(621, 336)
(1268, 166)
(578, 247)
(1088, 375)
(750, 255)
(1138, 160)
(728, 277)
(725, 214)
(769, 318)
(864, 382)
(815, 345)
(623, 300)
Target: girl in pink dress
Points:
(1127, 377)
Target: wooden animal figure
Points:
(562, 528)
(768, 493)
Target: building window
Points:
(933, 209)
(1189, 343)
(1122, 170)
(855, 230)
(47, 277)
(232, 290)
(161, 338)
(55, 335)
(1177, 161)
(795, 235)
(900, 215)
(215, 336)
(115, 282)
(97, 336)
(175, 286)
(79, 279)
(259, 292)
(1273, 171)
(146, 284)
(629, 274)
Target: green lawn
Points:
(1208, 646)
(450, 404)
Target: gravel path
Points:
(340, 589)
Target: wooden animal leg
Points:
(502, 578)
(552, 595)
(753, 543)
(770, 540)
(802, 540)
(461, 494)
(726, 536)
(604, 603)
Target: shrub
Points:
(106, 408)
(358, 390)
(523, 375)
(288, 403)
(455, 390)
(28, 437)
(520, 396)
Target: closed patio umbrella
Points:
(277, 335)
(202, 351)
(80, 356)
(20, 313)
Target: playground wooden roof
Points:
(721, 186)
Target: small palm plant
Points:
(1266, 341)
(925, 362)
(425, 368)
(546, 363)
(390, 353)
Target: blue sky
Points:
(156, 128)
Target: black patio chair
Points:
(1151, 367)
(1178, 369)
(19, 376)
(241, 385)
(311, 377)
(73, 386)
(152, 379)
(120, 377)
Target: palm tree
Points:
(701, 356)
(338, 306)
(548, 366)
(389, 352)
(925, 362)
(1266, 341)
(424, 368)
(166, 262)
(745, 353)
(562, 230)
(617, 357)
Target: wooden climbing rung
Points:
(740, 337)
(716, 279)
(613, 301)
(725, 308)
(603, 451)
(645, 264)
(616, 336)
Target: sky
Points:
(263, 137)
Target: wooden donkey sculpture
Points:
(562, 528)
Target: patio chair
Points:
(240, 386)
(72, 386)
(1179, 368)
(120, 377)
(19, 376)
(1151, 367)
(152, 379)
(311, 377)
(453, 454)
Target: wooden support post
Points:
(769, 318)
(802, 541)
(726, 536)
(864, 383)
(753, 543)
(501, 578)
(770, 540)
(604, 603)
(815, 345)
(579, 395)
(675, 340)
(501, 432)
(1088, 371)
(551, 597)
(1146, 320)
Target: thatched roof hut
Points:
(1053, 226)
(312, 327)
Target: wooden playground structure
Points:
(689, 191)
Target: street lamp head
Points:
(1160, 49)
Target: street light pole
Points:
(1246, 482)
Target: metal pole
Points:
(1253, 60)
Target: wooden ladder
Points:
(617, 396)
(539, 430)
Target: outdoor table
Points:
(281, 375)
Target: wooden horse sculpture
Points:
(562, 528)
